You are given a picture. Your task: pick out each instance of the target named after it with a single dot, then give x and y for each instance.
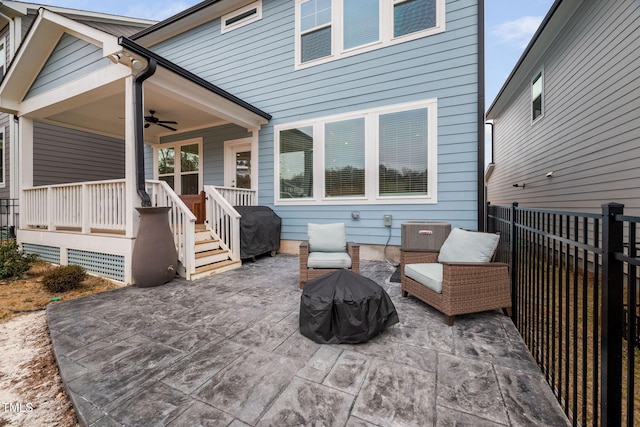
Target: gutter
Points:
(138, 120)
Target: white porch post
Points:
(133, 201)
(25, 157)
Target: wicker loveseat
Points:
(461, 278)
(327, 250)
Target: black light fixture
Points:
(519, 185)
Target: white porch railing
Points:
(238, 196)
(181, 220)
(224, 220)
(98, 205)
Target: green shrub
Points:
(64, 278)
(13, 261)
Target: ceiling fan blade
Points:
(168, 127)
(171, 122)
(146, 125)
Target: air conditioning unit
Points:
(424, 236)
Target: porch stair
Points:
(210, 255)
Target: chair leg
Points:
(405, 294)
(507, 311)
(449, 320)
(302, 285)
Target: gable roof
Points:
(555, 20)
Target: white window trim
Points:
(386, 32)
(3, 180)
(248, 20)
(3, 56)
(177, 172)
(371, 158)
(542, 97)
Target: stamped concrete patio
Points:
(226, 351)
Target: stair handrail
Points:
(181, 220)
(224, 220)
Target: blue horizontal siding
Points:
(71, 59)
(256, 63)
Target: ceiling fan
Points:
(153, 120)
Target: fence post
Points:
(513, 246)
(612, 319)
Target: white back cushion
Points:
(468, 246)
(327, 237)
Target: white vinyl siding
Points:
(332, 29)
(386, 155)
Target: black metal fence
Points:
(575, 280)
(8, 219)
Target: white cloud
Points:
(517, 32)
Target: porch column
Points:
(133, 201)
(25, 158)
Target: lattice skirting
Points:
(106, 265)
(101, 264)
(46, 253)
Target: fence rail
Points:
(574, 281)
(9, 215)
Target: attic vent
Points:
(240, 17)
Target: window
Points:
(185, 176)
(537, 88)
(3, 57)
(240, 17)
(377, 156)
(324, 33)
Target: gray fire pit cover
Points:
(344, 307)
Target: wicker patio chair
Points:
(327, 251)
(469, 284)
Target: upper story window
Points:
(333, 29)
(240, 17)
(537, 96)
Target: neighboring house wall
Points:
(257, 64)
(589, 135)
(65, 155)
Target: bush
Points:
(64, 278)
(13, 261)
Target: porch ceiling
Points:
(97, 113)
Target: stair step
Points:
(209, 257)
(207, 245)
(218, 267)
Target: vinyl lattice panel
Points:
(46, 253)
(106, 265)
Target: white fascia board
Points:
(67, 96)
(204, 100)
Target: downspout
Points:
(481, 120)
(138, 101)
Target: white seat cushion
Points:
(327, 237)
(329, 260)
(468, 246)
(429, 275)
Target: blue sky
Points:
(509, 25)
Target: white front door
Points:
(238, 170)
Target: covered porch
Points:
(109, 94)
